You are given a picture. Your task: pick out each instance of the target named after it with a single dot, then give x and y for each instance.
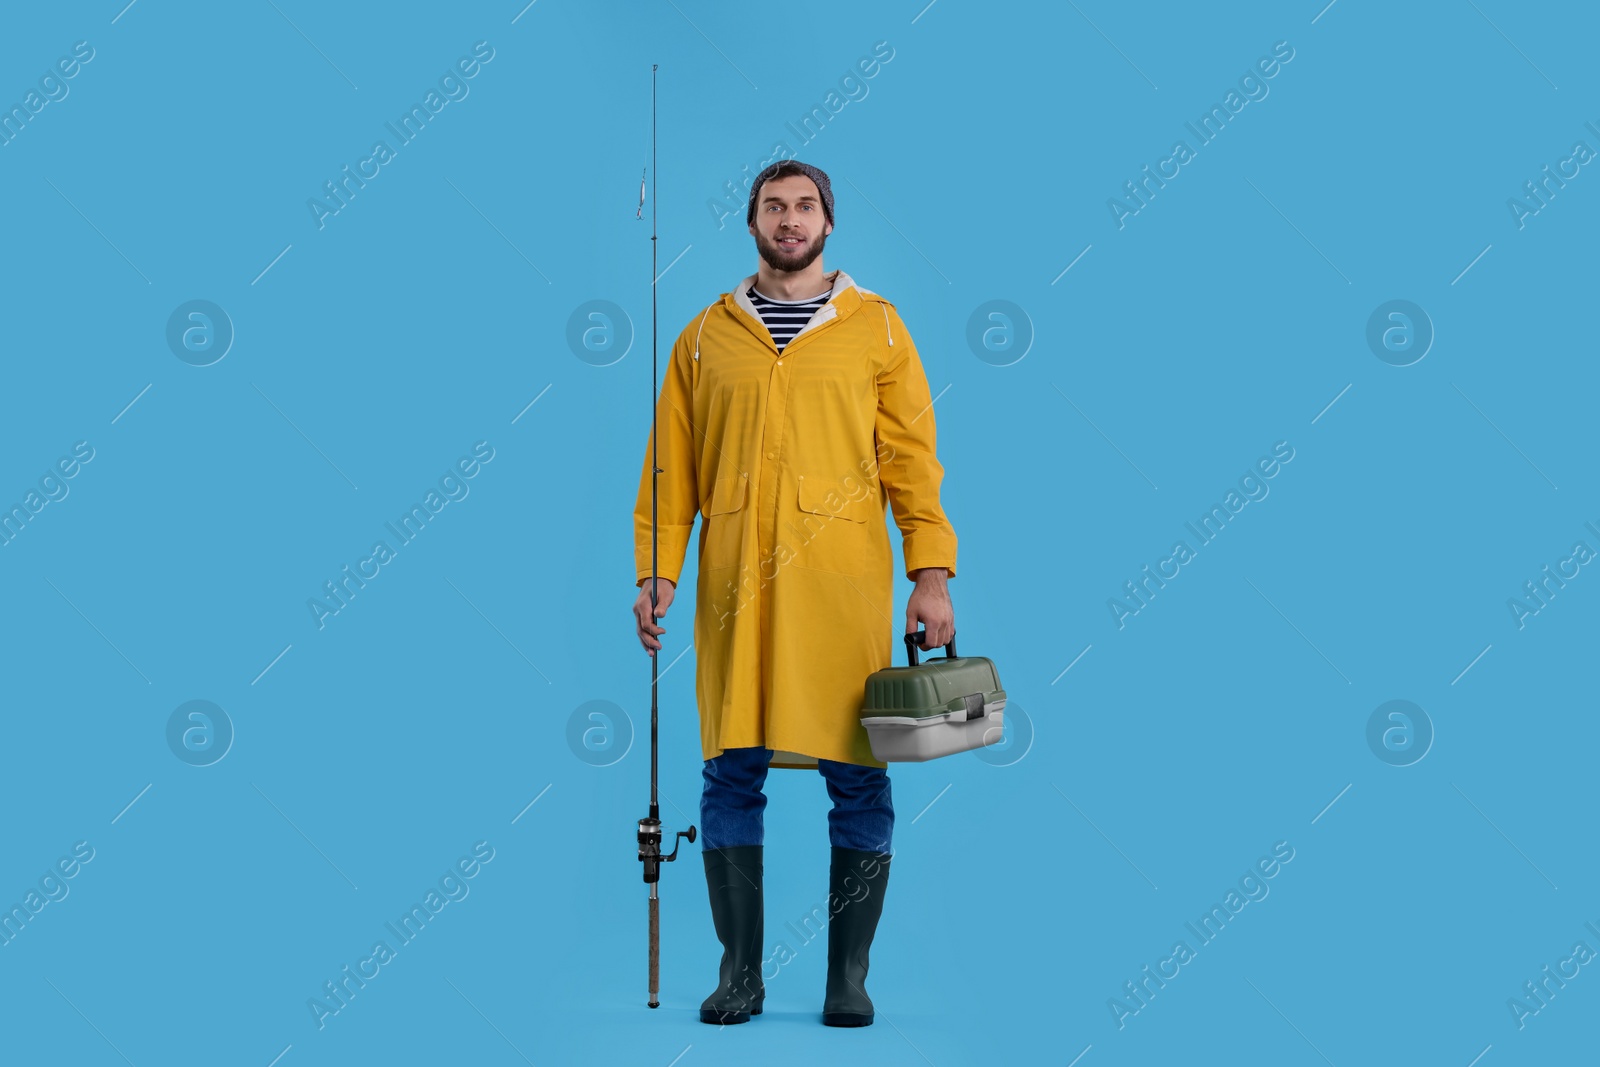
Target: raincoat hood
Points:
(844, 298)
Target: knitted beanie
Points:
(785, 168)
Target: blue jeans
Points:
(732, 803)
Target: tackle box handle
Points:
(914, 642)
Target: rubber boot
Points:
(733, 877)
(856, 884)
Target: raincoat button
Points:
(772, 455)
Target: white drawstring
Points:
(886, 322)
(699, 332)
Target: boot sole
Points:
(845, 1018)
(726, 1018)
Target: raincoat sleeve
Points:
(677, 491)
(907, 467)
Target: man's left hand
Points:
(930, 605)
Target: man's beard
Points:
(794, 262)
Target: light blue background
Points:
(1227, 315)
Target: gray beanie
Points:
(785, 168)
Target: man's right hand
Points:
(646, 626)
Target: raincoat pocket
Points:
(723, 530)
(833, 527)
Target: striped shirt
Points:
(785, 318)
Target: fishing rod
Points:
(650, 826)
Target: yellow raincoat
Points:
(788, 460)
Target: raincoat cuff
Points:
(671, 548)
(643, 575)
(920, 555)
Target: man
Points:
(791, 409)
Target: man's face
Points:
(790, 227)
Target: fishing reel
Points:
(650, 847)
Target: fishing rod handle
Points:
(655, 950)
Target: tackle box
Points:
(934, 708)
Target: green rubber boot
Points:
(856, 884)
(733, 877)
